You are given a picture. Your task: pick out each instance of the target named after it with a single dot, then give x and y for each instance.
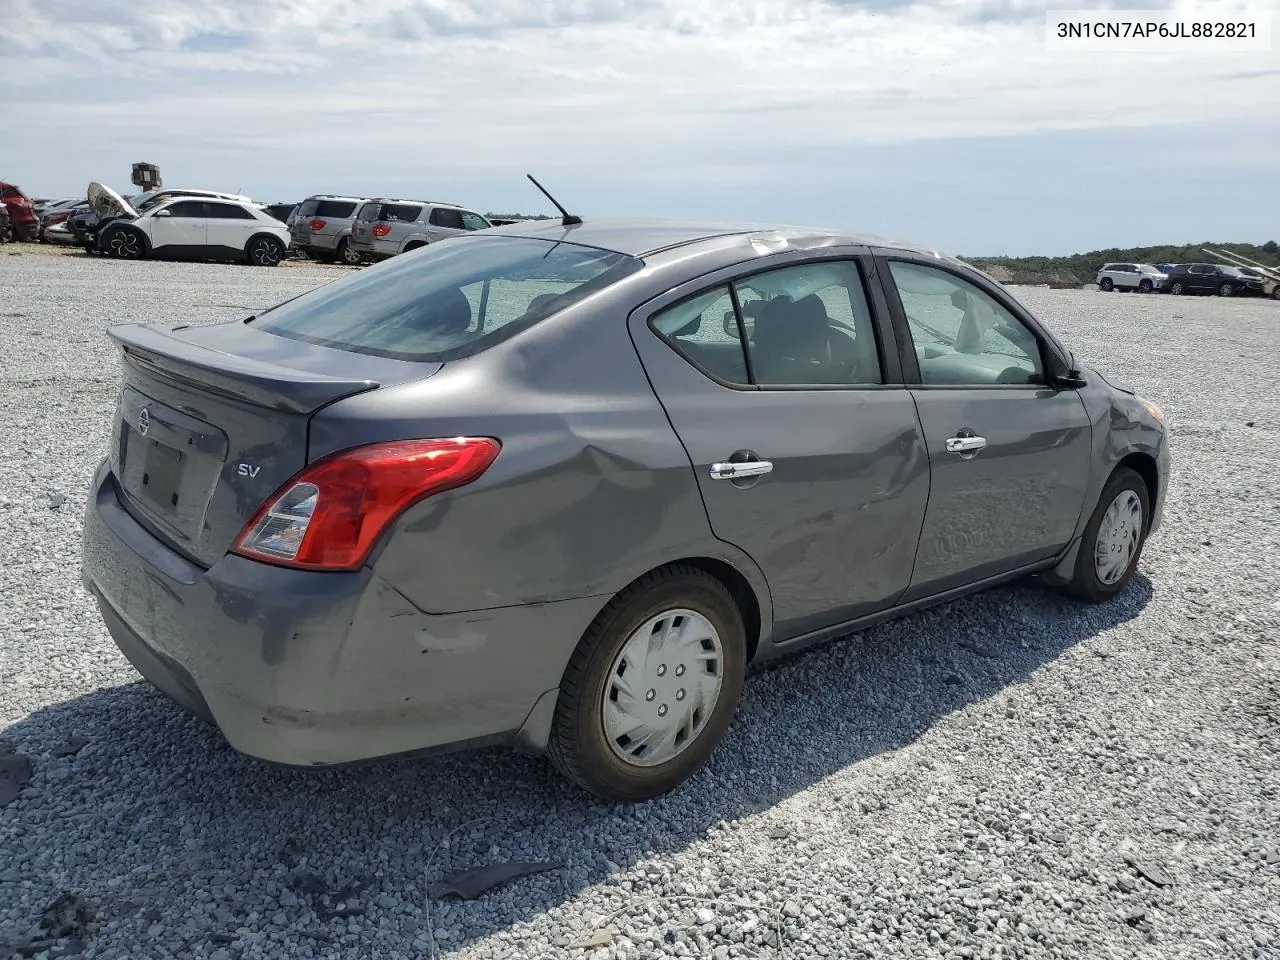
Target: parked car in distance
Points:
(23, 222)
(322, 228)
(188, 227)
(558, 485)
(385, 227)
(1142, 277)
(1212, 278)
(280, 211)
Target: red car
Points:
(22, 216)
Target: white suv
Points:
(1142, 277)
(190, 228)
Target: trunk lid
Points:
(108, 204)
(211, 420)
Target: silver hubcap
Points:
(662, 687)
(1118, 537)
(267, 253)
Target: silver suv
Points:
(1142, 277)
(322, 227)
(385, 227)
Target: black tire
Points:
(416, 245)
(124, 243)
(578, 746)
(1145, 286)
(265, 252)
(1275, 294)
(1085, 582)
(1106, 285)
(347, 254)
(1226, 290)
(1176, 289)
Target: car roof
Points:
(330, 196)
(638, 237)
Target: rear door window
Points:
(401, 212)
(704, 330)
(448, 300)
(187, 209)
(308, 208)
(368, 212)
(473, 221)
(227, 211)
(337, 209)
(444, 217)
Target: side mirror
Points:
(1064, 375)
(162, 213)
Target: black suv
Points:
(1212, 278)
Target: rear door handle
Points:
(965, 444)
(736, 471)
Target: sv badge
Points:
(247, 470)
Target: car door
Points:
(810, 461)
(181, 226)
(1009, 453)
(229, 227)
(1201, 278)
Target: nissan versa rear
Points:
(557, 485)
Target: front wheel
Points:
(265, 252)
(1176, 289)
(125, 243)
(1145, 286)
(1113, 539)
(1226, 290)
(652, 686)
(1275, 294)
(1106, 285)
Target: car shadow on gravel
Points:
(214, 837)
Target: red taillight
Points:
(329, 516)
(381, 229)
(317, 224)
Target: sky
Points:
(949, 122)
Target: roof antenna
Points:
(568, 218)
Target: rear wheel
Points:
(345, 254)
(1144, 286)
(1226, 290)
(265, 252)
(1113, 539)
(1106, 285)
(652, 686)
(1275, 294)
(125, 243)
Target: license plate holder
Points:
(162, 475)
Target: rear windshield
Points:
(450, 299)
(308, 208)
(334, 208)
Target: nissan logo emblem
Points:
(144, 422)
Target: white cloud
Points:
(708, 90)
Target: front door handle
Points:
(736, 471)
(965, 444)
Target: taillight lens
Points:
(317, 224)
(330, 515)
(381, 229)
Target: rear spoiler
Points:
(157, 351)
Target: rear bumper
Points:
(379, 249)
(305, 668)
(320, 243)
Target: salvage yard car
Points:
(557, 485)
(187, 227)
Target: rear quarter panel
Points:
(592, 487)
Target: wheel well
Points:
(1145, 467)
(740, 589)
(414, 245)
(259, 236)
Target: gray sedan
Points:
(557, 485)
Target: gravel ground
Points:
(1012, 775)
